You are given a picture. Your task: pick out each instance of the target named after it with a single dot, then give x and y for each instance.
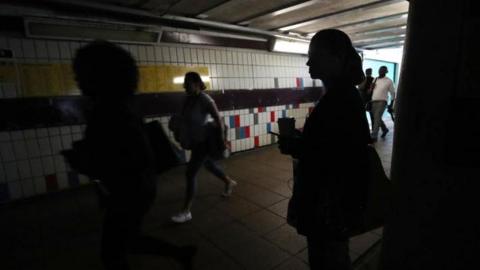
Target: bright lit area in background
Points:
(391, 57)
(180, 79)
(290, 46)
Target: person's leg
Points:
(378, 107)
(114, 239)
(196, 161)
(370, 113)
(328, 254)
(140, 243)
(213, 167)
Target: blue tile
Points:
(232, 121)
(269, 127)
(242, 133)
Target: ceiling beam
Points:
(211, 7)
(380, 32)
(384, 45)
(372, 42)
(279, 11)
(364, 7)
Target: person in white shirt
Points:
(381, 87)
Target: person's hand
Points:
(390, 108)
(289, 145)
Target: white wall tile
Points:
(166, 54)
(180, 55)
(53, 50)
(27, 187)
(6, 151)
(39, 185)
(59, 164)
(173, 55)
(28, 48)
(158, 54)
(48, 165)
(11, 171)
(199, 53)
(66, 142)
(56, 144)
(62, 180)
(36, 167)
(187, 52)
(44, 146)
(24, 169)
(20, 149)
(64, 48)
(150, 53)
(33, 148)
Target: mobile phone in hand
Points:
(274, 133)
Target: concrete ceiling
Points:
(370, 23)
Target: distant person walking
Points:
(331, 178)
(382, 86)
(117, 152)
(365, 92)
(200, 129)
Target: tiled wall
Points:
(30, 159)
(229, 68)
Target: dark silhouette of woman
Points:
(120, 155)
(329, 193)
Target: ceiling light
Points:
(290, 46)
(180, 79)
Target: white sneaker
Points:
(182, 217)
(229, 189)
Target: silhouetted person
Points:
(120, 154)
(381, 88)
(365, 92)
(330, 189)
(196, 135)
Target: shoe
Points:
(187, 253)
(229, 188)
(384, 133)
(182, 217)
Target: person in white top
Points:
(381, 87)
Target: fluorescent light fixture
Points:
(290, 46)
(86, 30)
(179, 80)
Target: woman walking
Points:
(202, 131)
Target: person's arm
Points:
(213, 111)
(391, 89)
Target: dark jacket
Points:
(332, 182)
(364, 89)
(121, 151)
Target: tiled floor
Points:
(247, 231)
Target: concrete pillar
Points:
(436, 157)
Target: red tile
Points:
(257, 141)
(51, 182)
(247, 132)
(237, 120)
(261, 109)
(272, 116)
